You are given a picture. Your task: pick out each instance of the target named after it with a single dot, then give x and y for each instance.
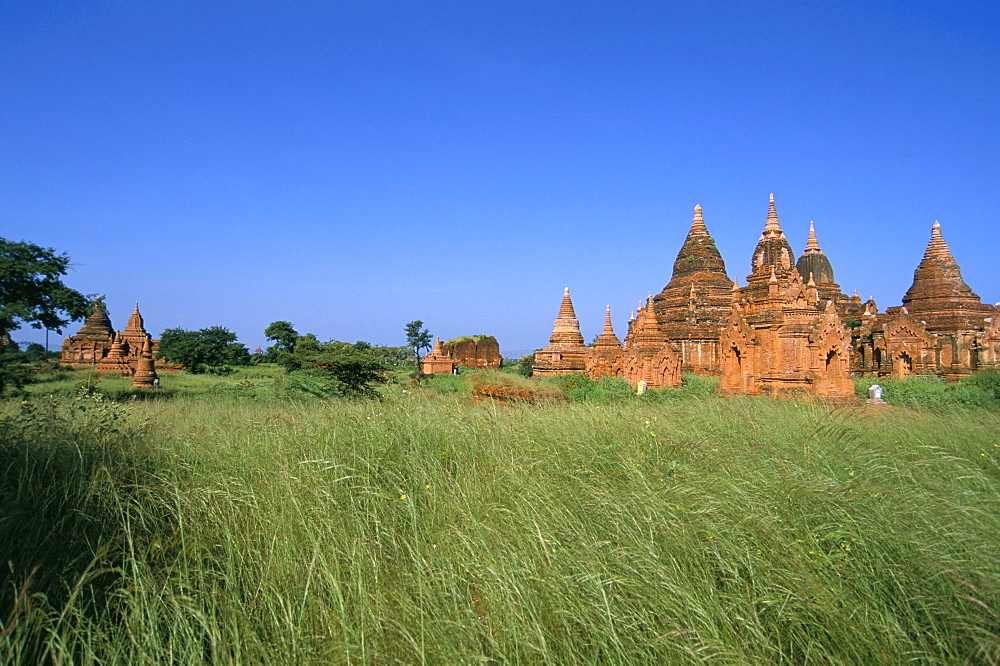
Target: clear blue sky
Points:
(350, 167)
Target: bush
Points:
(447, 383)
(212, 349)
(605, 389)
(986, 380)
(928, 392)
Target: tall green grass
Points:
(421, 529)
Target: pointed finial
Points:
(607, 320)
(772, 218)
(812, 245)
(937, 248)
(811, 283)
(774, 277)
(565, 291)
(698, 225)
(736, 285)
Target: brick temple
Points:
(789, 330)
(97, 345)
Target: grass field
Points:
(223, 521)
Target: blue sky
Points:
(350, 167)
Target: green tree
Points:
(32, 291)
(212, 349)
(417, 338)
(346, 369)
(284, 336)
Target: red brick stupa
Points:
(565, 353)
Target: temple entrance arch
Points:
(903, 365)
(832, 364)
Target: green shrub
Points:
(605, 389)
(928, 392)
(985, 380)
(447, 383)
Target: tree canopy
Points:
(32, 291)
(208, 350)
(417, 337)
(344, 369)
(283, 334)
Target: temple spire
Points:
(607, 338)
(135, 322)
(566, 328)
(812, 245)
(772, 218)
(698, 227)
(566, 308)
(937, 248)
(938, 294)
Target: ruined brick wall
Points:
(481, 351)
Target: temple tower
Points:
(939, 295)
(117, 359)
(134, 335)
(565, 353)
(648, 355)
(951, 312)
(781, 336)
(604, 357)
(814, 264)
(92, 342)
(695, 303)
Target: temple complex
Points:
(97, 345)
(781, 335)
(790, 329)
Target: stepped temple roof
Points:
(699, 289)
(97, 326)
(698, 260)
(566, 328)
(938, 294)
